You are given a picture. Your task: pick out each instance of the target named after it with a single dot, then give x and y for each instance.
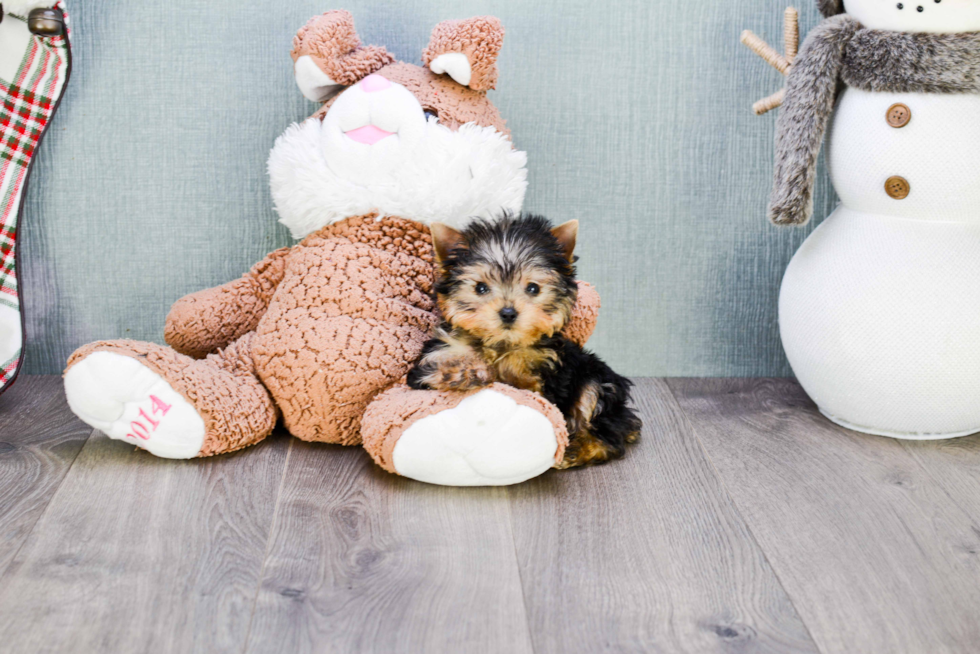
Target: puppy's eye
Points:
(482, 289)
(533, 289)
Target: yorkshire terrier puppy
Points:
(506, 290)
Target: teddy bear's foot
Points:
(491, 437)
(169, 404)
(129, 402)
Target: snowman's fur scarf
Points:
(811, 90)
(897, 62)
(840, 50)
(452, 178)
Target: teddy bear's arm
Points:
(585, 313)
(208, 320)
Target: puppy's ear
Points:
(466, 50)
(445, 239)
(567, 234)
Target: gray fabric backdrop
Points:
(635, 115)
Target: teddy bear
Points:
(878, 308)
(321, 335)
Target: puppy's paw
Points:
(584, 449)
(461, 374)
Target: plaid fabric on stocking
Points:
(33, 74)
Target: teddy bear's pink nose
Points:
(373, 83)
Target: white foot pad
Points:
(486, 440)
(129, 402)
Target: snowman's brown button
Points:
(897, 188)
(898, 115)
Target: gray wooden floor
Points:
(743, 522)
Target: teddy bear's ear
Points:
(466, 50)
(830, 7)
(327, 55)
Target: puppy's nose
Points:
(508, 315)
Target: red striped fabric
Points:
(27, 103)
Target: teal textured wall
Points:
(635, 115)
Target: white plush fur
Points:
(455, 64)
(108, 391)
(313, 83)
(486, 440)
(424, 171)
(24, 7)
(946, 17)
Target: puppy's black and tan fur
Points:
(506, 290)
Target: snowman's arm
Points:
(811, 90)
(781, 62)
(206, 321)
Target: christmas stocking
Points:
(35, 61)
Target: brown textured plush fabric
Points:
(236, 408)
(455, 105)
(585, 314)
(478, 38)
(347, 321)
(206, 321)
(393, 412)
(341, 317)
(331, 41)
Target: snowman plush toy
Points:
(880, 308)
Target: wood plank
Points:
(954, 465)
(39, 440)
(364, 561)
(140, 554)
(647, 553)
(867, 544)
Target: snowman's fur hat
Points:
(830, 7)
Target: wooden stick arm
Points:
(764, 50)
(766, 105)
(791, 33)
(781, 62)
